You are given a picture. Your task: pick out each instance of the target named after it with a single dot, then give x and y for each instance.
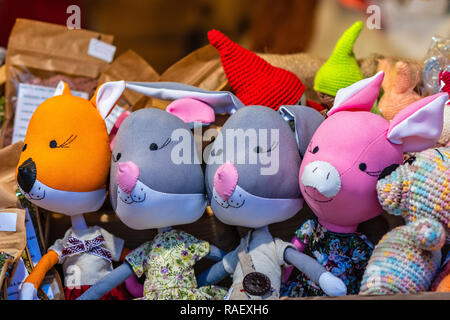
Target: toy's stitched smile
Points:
(33, 197)
(135, 196)
(311, 197)
(130, 199)
(228, 203)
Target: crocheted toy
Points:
(398, 85)
(407, 258)
(64, 168)
(253, 80)
(341, 68)
(341, 190)
(156, 181)
(254, 185)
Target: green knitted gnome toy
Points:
(341, 69)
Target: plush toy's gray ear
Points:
(220, 101)
(304, 121)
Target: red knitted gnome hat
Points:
(254, 80)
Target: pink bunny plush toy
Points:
(347, 154)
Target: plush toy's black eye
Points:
(53, 144)
(316, 149)
(258, 149)
(24, 147)
(153, 147)
(362, 166)
(118, 156)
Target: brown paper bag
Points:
(130, 67)
(13, 242)
(43, 53)
(9, 157)
(201, 68)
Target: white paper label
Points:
(101, 50)
(8, 221)
(29, 97)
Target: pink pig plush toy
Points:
(347, 154)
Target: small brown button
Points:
(256, 283)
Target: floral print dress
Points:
(168, 264)
(343, 254)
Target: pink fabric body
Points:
(345, 140)
(225, 180)
(127, 176)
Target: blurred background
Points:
(163, 31)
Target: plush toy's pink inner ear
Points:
(419, 126)
(115, 128)
(360, 96)
(191, 110)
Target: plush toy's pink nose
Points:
(225, 180)
(127, 176)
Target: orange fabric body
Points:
(79, 166)
(444, 286)
(44, 265)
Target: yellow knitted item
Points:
(341, 69)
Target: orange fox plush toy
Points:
(63, 168)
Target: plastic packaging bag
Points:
(436, 60)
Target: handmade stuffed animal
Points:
(341, 69)
(64, 168)
(157, 182)
(407, 258)
(254, 185)
(399, 83)
(339, 172)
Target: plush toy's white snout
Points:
(323, 177)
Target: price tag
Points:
(101, 50)
(8, 221)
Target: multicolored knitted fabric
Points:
(341, 69)
(407, 258)
(254, 80)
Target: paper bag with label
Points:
(42, 54)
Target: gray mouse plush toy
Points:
(153, 186)
(150, 189)
(251, 178)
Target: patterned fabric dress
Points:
(343, 254)
(168, 264)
